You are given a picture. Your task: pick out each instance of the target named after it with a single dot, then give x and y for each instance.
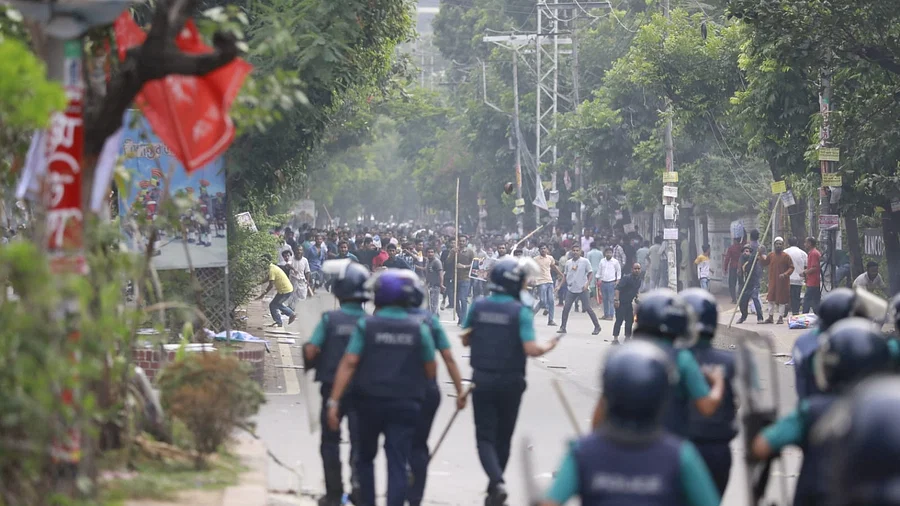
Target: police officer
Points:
(840, 303)
(666, 320)
(629, 458)
(850, 351)
(500, 330)
(323, 352)
(418, 458)
(392, 357)
(866, 443)
(712, 434)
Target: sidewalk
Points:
(782, 336)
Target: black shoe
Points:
(328, 500)
(741, 320)
(562, 330)
(546, 312)
(498, 496)
(596, 331)
(551, 323)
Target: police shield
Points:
(758, 390)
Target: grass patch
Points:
(162, 479)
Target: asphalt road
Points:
(455, 476)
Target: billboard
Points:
(305, 212)
(152, 167)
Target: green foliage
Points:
(29, 97)
(339, 66)
(36, 366)
(246, 269)
(212, 394)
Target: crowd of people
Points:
(575, 269)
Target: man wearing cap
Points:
(780, 268)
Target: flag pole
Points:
(456, 261)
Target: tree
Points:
(342, 64)
(856, 44)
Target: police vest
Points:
(813, 479)
(614, 473)
(720, 427)
(337, 335)
(427, 318)
(495, 339)
(675, 416)
(391, 363)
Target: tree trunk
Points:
(890, 229)
(856, 259)
(797, 215)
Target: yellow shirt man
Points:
(282, 282)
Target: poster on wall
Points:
(199, 240)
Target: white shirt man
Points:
(798, 257)
(609, 270)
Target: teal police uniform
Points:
(499, 325)
(331, 336)
(390, 386)
(691, 386)
(671, 471)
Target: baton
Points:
(450, 423)
(566, 406)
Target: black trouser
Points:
(733, 279)
(624, 314)
(585, 304)
(751, 292)
(795, 298)
(418, 456)
(812, 299)
(717, 455)
(396, 418)
(330, 448)
(496, 408)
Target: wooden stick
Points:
(456, 261)
(531, 234)
(450, 423)
(566, 406)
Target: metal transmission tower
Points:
(550, 47)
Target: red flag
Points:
(188, 113)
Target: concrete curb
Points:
(252, 487)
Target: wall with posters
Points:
(151, 167)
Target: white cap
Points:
(779, 239)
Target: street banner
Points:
(153, 168)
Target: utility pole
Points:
(520, 218)
(579, 176)
(671, 254)
(825, 166)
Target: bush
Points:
(246, 269)
(212, 394)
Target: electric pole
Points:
(579, 176)
(670, 208)
(520, 218)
